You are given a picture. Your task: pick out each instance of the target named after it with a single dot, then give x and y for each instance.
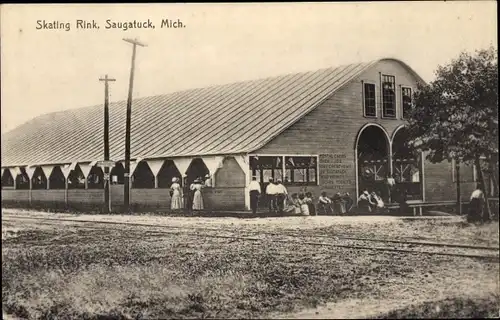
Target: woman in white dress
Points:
(197, 198)
(176, 193)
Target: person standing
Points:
(254, 189)
(176, 195)
(271, 192)
(476, 205)
(188, 195)
(390, 183)
(281, 194)
(197, 196)
(208, 181)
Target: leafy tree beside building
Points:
(456, 115)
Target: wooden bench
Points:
(419, 204)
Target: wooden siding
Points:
(229, 195)
(332, 128)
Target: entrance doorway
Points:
(373, 161)
(406, 166)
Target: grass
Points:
(70, 273)
(460, 308)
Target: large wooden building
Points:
(335, 130)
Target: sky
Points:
(45, 70)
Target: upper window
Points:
(369, 100)
(406, 100)
(389, 96)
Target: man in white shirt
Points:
(271, 193)
(281, 194)
(254, 189)
(390, 188)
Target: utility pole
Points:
(126, 195)
(106, 142)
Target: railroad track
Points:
(285, 236)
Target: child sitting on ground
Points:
(295, 204)
(304, 208)
(325, 203)
(310, 203)
(348, 202)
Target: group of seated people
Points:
(370, 202)
(304, 204)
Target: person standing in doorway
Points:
(390, 183)
(208, 181)
(254, 189)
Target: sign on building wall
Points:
(336, 171)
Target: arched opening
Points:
(95, 180)
(406, 166)
(143, 177)
(56, 179)
(373, 160)
(197, 169)
(76, 179)
(7, 179)
(167, 172)
(117, 174)
(39, 180)
(22, 180)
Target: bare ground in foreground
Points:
(135, 273)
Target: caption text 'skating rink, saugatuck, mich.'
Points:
(108, 24)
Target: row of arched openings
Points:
(374, 163)
(142, 177)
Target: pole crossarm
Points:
(135, 42)
(106, 79)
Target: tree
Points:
(456, 115)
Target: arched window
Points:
(95, 180)
(7, 179)
(76, 180)
(197, 169)
(22, 180)
(39, 181)
(143, 178)
(56, 179)
(166, 173)
(117, 174)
